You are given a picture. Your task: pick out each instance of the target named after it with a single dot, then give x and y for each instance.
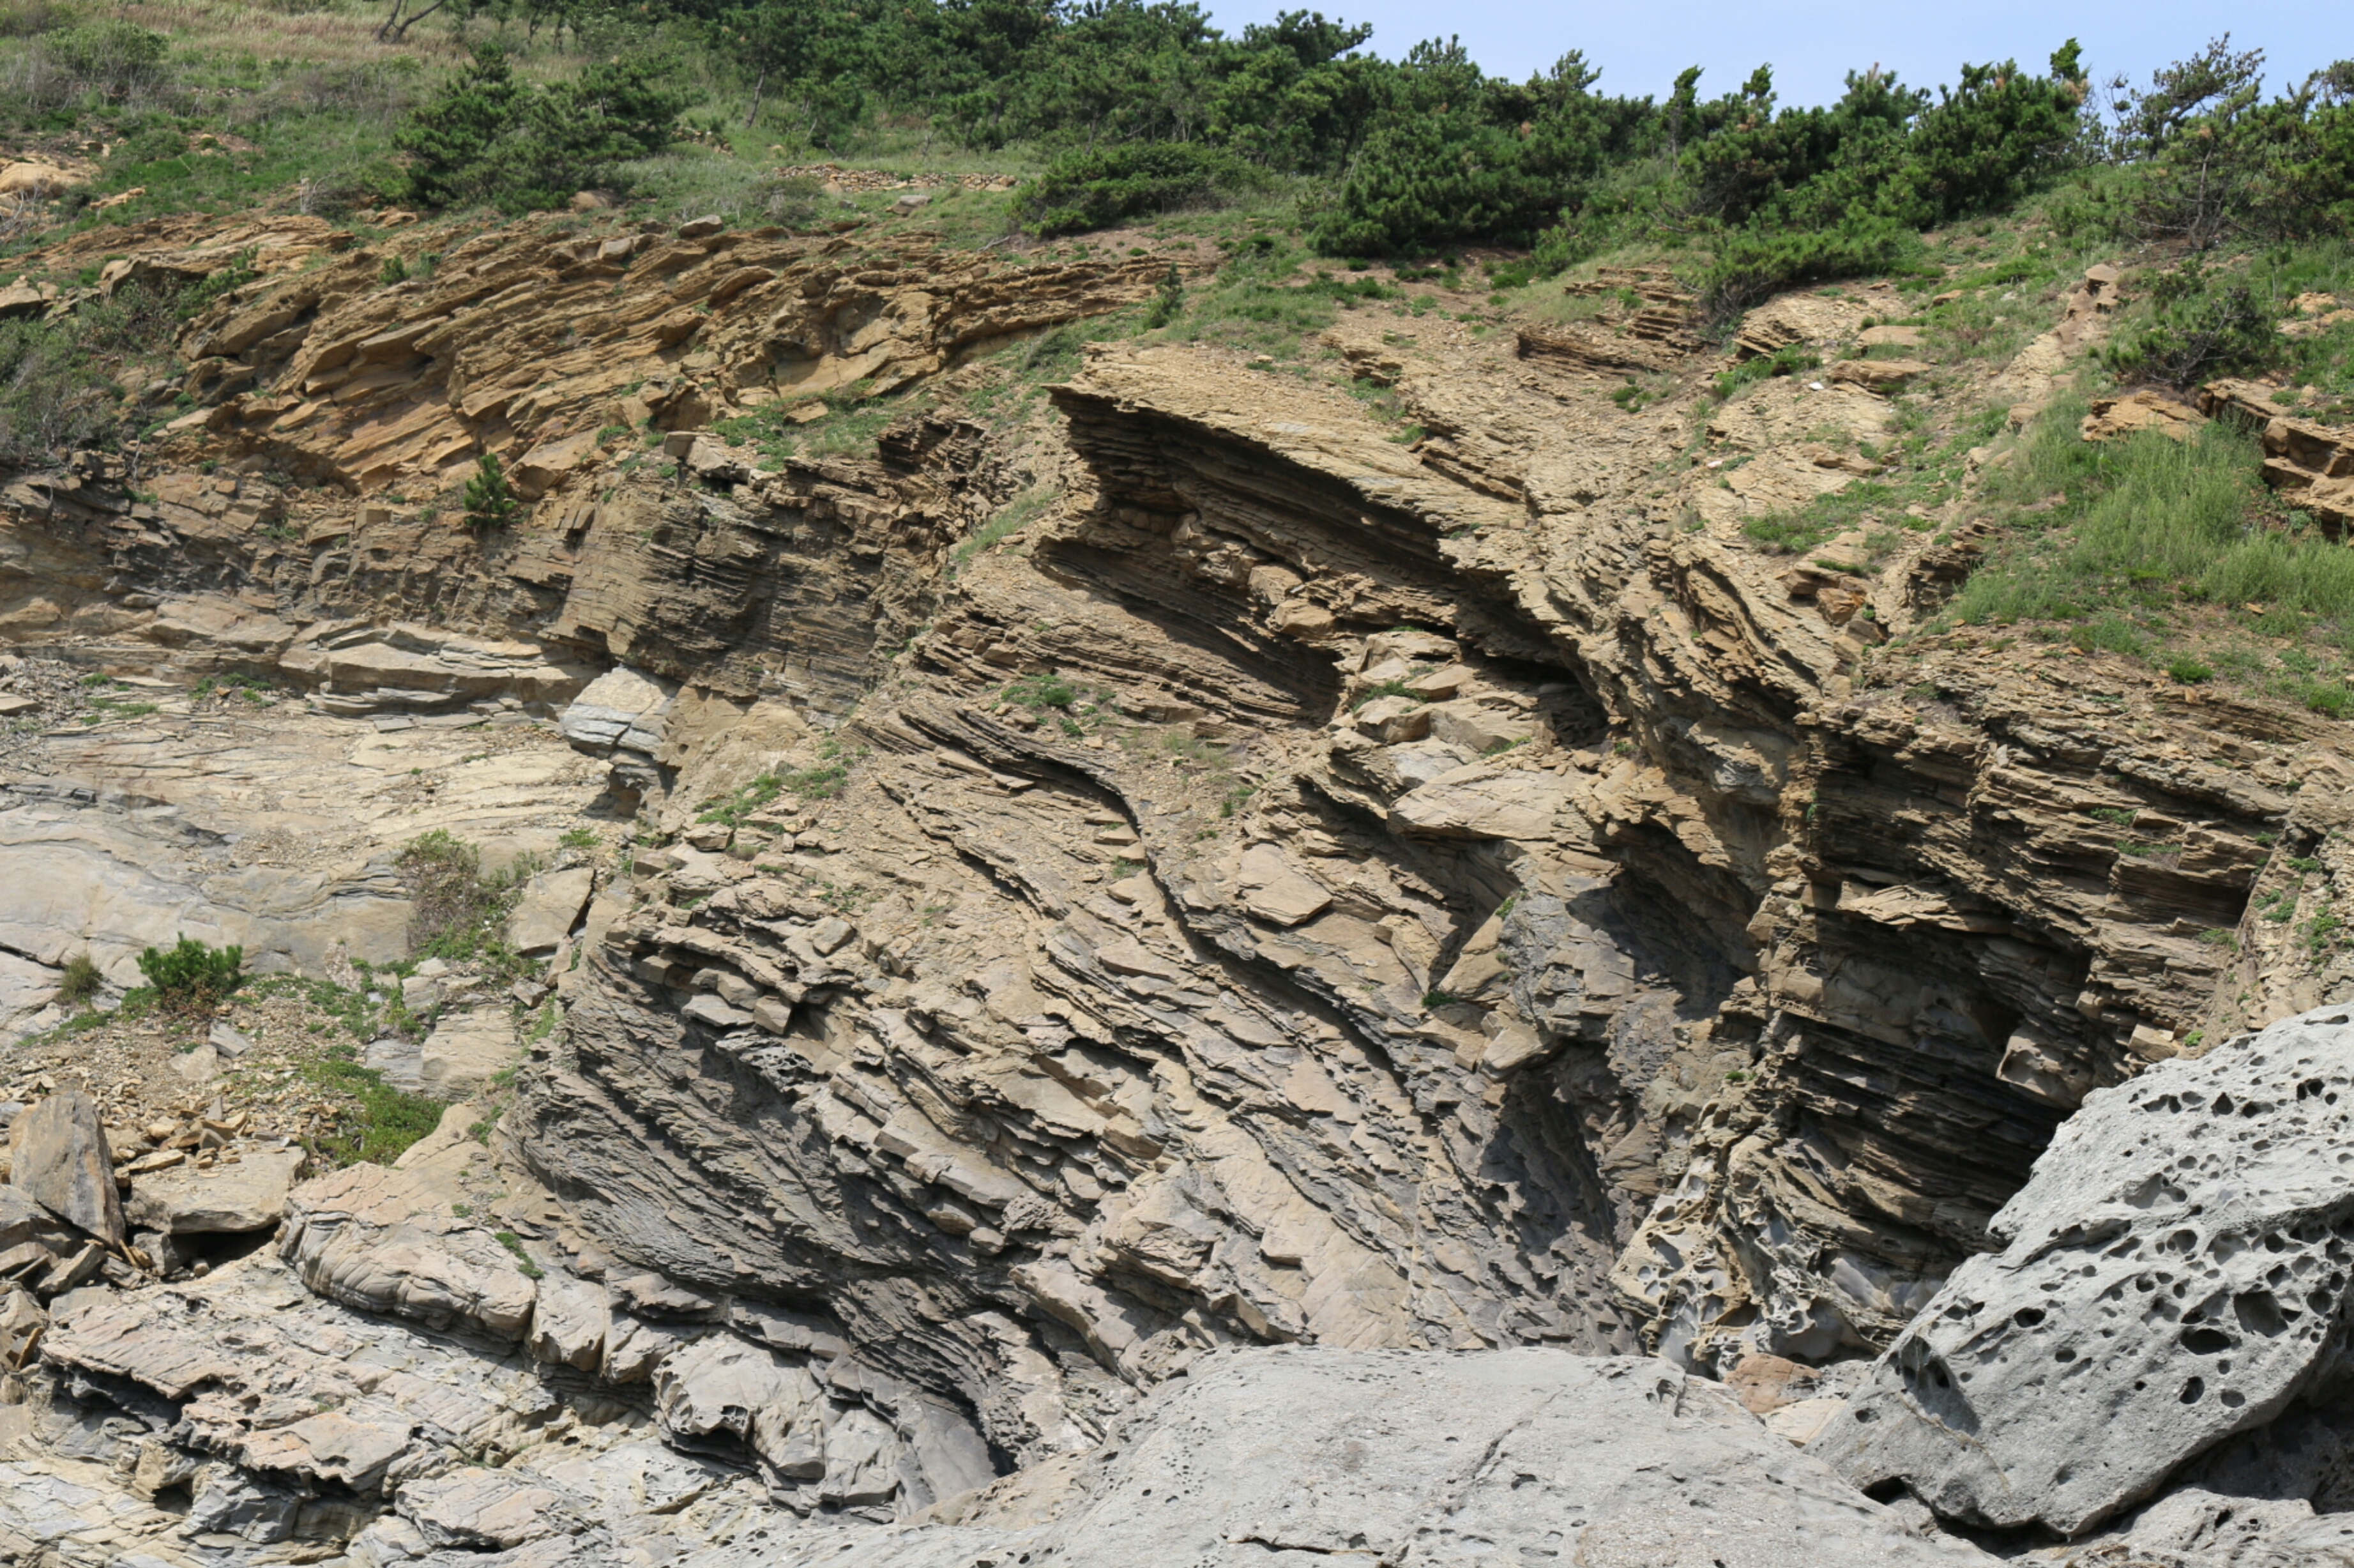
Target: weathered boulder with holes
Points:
(2174, 1272)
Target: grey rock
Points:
(466, 1051)
(1522, 1456)
(2173, 1273)
(227, 1040)
(58, 1157)
(249, 1195)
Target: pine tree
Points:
(490, 501)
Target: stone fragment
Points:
(58, 1156)
(550, 906)
(1276, 890)
(249, 1195)
(478, 1509)
(2172, 1273)
(1482, 801)
(706, 1008)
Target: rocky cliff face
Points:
(1319, 890)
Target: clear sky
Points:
(1640, 46)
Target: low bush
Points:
(1751, 265)
(2200, 324)
(1096, 188)
(190, 977)
(458, 911)
(389, 1120)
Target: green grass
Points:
(2150, 542)
(1010, 519)
(80, 982)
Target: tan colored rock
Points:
(38, 179)
(1276, 890)
(2137, 411)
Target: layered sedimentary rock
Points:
(1386, 896)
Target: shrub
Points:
(488, 137)
(2189, 670)
(1750, 266)
(490, 501)
(191, 977)
(1099, 186)
(457, 911)
(2200, 324)
(110, 56)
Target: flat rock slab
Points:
(2174, 1272)
(58, 1157)
(1314, 1455)
(249, 1195)
(466, 1051)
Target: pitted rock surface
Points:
(2174, 1272)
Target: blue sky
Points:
(1642, 47)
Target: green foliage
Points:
(1039, 691)
(190, 977)
(78, 986)
(490, 501)
(2216, 163)
(2189, 670)
(1095, 187)
(488, 136)
(514, 1244)
(2202, 324)
(112, 58)
(1754, 264)
(1169, 303)
(389, 1120)
(458, 912)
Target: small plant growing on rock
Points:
(490, 501)
(395, 271)
(190, 977)
(80, 982)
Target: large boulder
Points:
(2174, 1272)
(58, 1156)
